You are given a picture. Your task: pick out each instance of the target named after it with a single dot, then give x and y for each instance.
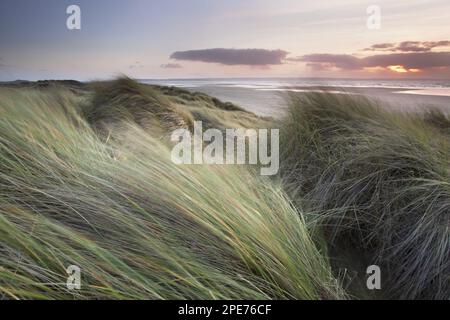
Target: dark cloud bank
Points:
(409, 46)
(416, 60)
(409, 54)
(249, 57)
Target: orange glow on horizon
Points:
(374, 69)
(402, 69)
(399, 69)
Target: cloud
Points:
(409, 46)
(249, 57)
(171, 66)
(342, 61)
(410, 61)
(422, 60)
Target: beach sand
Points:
(399, 98)
(271, 102)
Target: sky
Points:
(150, 39)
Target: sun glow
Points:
(399, 69)
(402, 69)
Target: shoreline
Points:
(271, 101)
(411, 99)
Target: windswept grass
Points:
(378, 182)
(86, 179)
(438, 119)
(138, 226)
(125, 101)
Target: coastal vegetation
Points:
(86, 179)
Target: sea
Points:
(267, 96)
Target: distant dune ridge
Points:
(86, 179)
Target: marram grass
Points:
(86, 179)
(378, 182)
(138, 226)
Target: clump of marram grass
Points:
(379, 182)
(137, 225)
(438, 119)
(124, 101)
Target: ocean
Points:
(266, 96)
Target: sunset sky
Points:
(232, 38)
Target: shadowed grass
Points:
(377, 181)
(438, 119)
(125, 101)
(138, 226)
